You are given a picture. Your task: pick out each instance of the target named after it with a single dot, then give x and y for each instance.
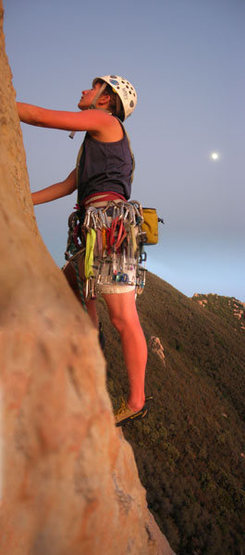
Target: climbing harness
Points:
(111, 242)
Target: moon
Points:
(214, 156)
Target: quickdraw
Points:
(113, 243)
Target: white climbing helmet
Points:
(125, 91)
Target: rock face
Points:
(69, 482)
(156, 347)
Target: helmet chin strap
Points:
(92, 106)
(99, 93)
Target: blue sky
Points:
(186, 60)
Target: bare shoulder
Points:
(108, 128)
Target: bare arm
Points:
(56, 191)
(98, 122)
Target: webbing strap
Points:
(89, 255)
(99, 93)
(132, 156)
(79, 156)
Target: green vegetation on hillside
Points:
(190, 447)
(228, 308)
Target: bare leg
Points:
(124, 317)
(92, 312)
(70, 275)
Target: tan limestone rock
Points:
(157, 347)
(69, 482)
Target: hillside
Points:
(229, 308)
(190, 448)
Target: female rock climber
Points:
(104, 174)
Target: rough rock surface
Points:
(69, 479)
(156, 347)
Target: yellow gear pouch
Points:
(150, 225)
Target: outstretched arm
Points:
(56, 191)
(95, 121)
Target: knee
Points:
(122, 311)
(124, 321)
(118, 322)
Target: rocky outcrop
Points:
(157, 347)
(69, 479)
(226, 307)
